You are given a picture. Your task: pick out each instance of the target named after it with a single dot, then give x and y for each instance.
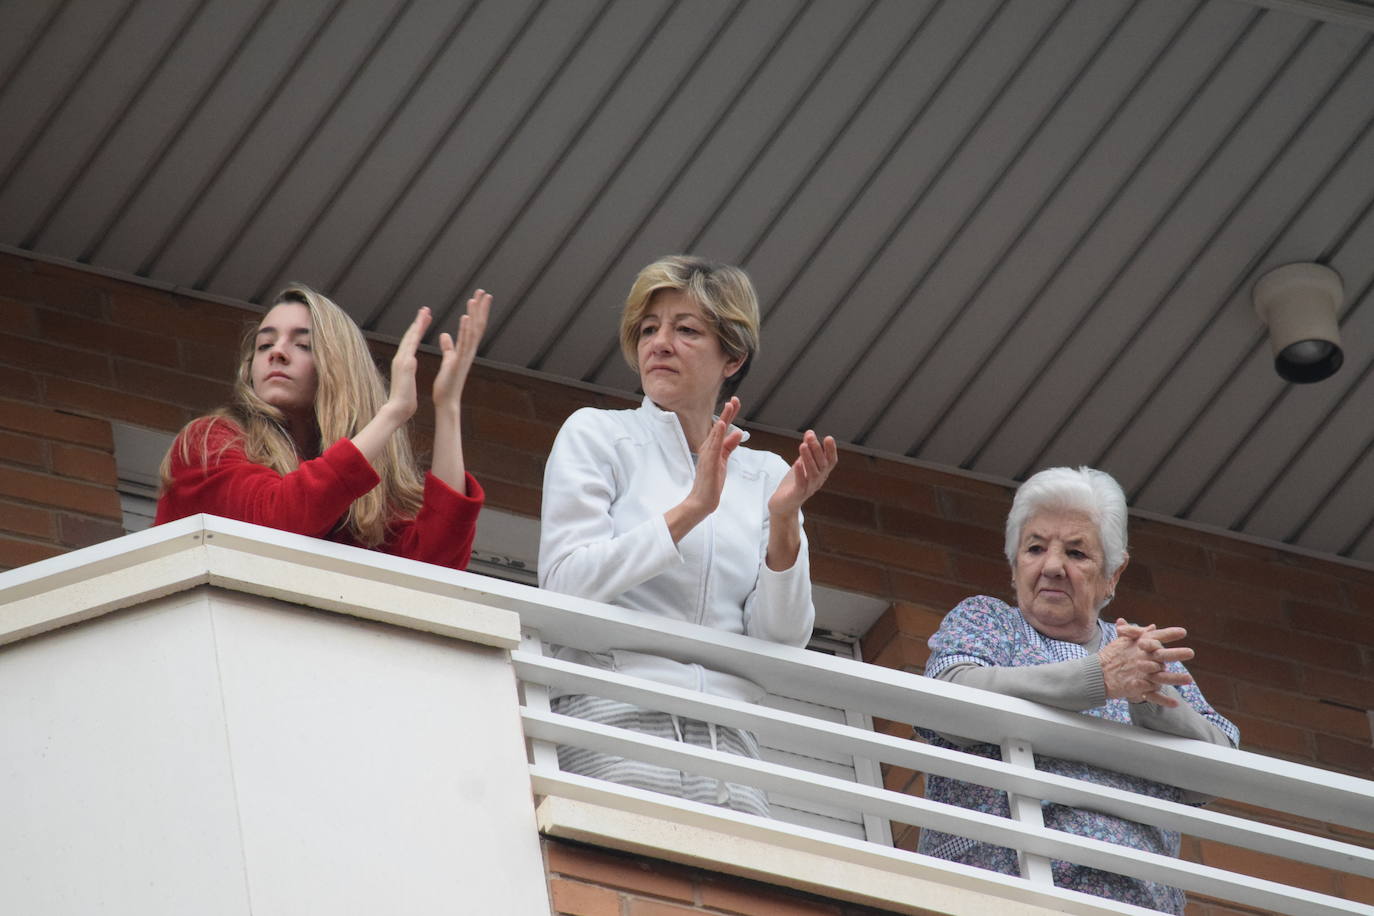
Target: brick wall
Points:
(1285, 643)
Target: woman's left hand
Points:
(815, 461)
(1135, 664)
(457, 356)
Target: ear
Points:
(733, 366)
(1116, 576)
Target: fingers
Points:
(729, 411)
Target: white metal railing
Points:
(1019, 726)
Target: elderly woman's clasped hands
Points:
(1135, 664)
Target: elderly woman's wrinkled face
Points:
(1060, 575)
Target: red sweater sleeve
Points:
(309, 500)
(443, 530)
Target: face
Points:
(681, 362)
(283, 366)
(1060, 575)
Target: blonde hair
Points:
(349, 393)
(724, 294)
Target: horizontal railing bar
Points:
(954, 709)
(908, 809)
(845, 739)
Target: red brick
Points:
(65, 362)
(55, 491)
(750, 898)
(15, 552)
(1304, 711)
(1278, 576)
(840, 572)
(1219, 690)
(1272, 868)
(1159, 548)
(1290, 644)
(176, 316)
(856, 476)
(207, 360)
(1353, 690)
(1225, 597)
(1264, 736)
(511, 497)
(883, 630)
(70, 291)
(1354, 626)
(491, 461)
(904, 653)
(18, 317)
(19, 384)
(1351, 756)
(917, 621)
(21, 449)
(639, 907)
(986, 576)
(932, 593)
(926, 527)
(1137, 576)
(516, 432)
(196, 392)
(92, 465)
(983, 511)
(897, 552)
(117, 405)
(101, 337)
(55, 424)
(629, 873)
(34, 521)
(572, 898)
(83, 531)
(1246, 666)
(491, 389)
(848, 510)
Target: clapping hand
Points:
(1135, 664)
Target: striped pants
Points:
(626, 772)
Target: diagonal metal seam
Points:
(268, 189)
(1283, 392)
(613, 347)
(1241, 281)
(999, 340)
(609, 90)
(422, 165)
(62, 97)
(376, 133)
(975, 454)
(666, 188)
(875, 168)
(35, 40)
(154, 162)
(222, 161)
(1145, 237)
(431, 239)
(160, 58)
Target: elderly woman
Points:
(660, 509)
(1066, 542)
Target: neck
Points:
(303, 436)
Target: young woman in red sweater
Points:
(313, 443)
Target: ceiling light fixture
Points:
(1299, 302)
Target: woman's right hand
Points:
(712, 461)
(1134, 665)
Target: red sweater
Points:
(313, 498)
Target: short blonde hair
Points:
(724, 294)
(350, 391)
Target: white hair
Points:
(1094, 493)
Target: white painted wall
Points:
(217, 752)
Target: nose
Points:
(1054, 562)
(279, 352)
(660, 339)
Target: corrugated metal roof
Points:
(988, 235)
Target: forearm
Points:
(1182, 720)
(784, 540)
(1074, 685)
(447, 463)
(372, 439)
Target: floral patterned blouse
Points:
(989, 632)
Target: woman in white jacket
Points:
(661, 510)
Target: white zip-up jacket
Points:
(609, 478)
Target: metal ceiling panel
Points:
(991, 235)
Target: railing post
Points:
(1026, 810)
(536, 697)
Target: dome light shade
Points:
(1299, 302)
